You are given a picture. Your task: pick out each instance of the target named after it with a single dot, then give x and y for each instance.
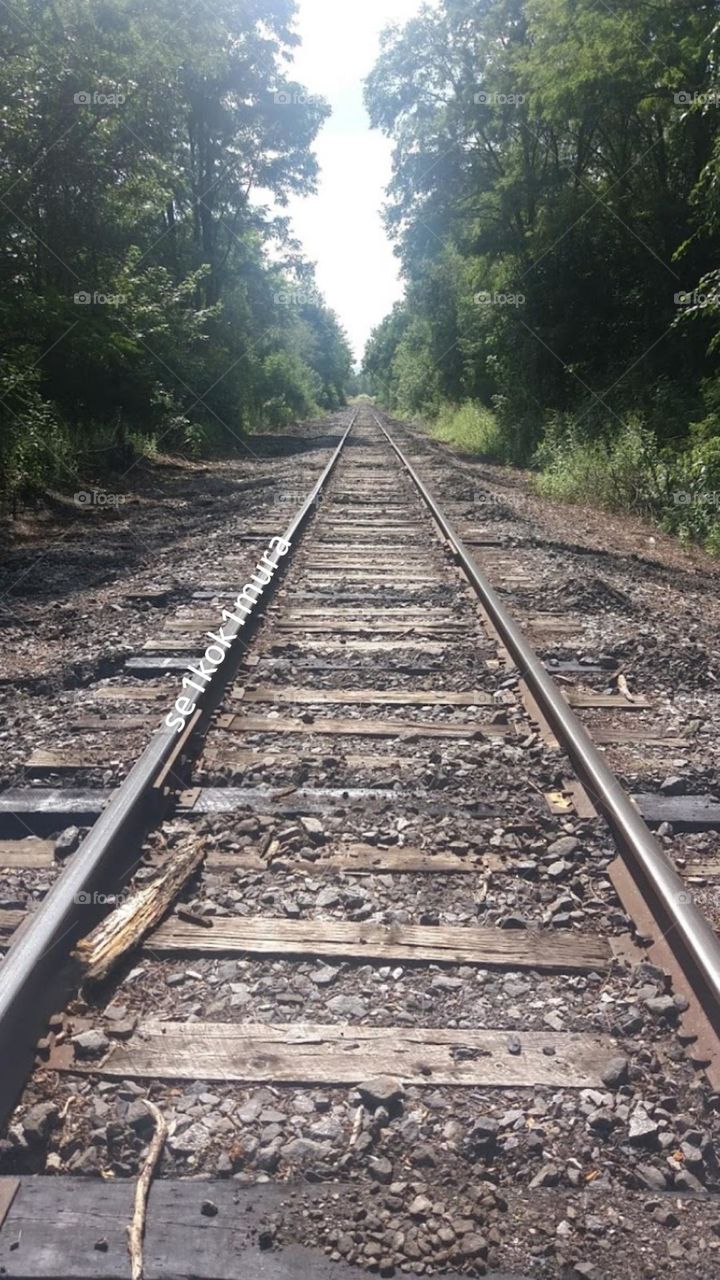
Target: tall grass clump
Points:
(473, 429)
(622, 471)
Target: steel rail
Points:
(42, 946)
(680, 920)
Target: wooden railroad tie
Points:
(302, 1053)
(545, 949)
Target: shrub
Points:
(693, 506)
(624, 471)
(474, 429)
(36, 448)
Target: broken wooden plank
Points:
(550, 949)
(129, 923)
(304, 1053)
(355, 728)
(366, 697)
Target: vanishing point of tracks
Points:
(398, 979)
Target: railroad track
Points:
(396, 960)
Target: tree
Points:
(141, 148)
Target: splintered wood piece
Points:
(128, 924)
(389, 697)
(356, 728)
(503, 948)
(30, 854)
(136, 1228)
(302, 1053)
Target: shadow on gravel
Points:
(277, 446)
(706, 580)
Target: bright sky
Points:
(340, 227)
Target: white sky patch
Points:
(341, 227)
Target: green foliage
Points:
(35, 446)
(555, 205)
(693, 507)
(628, 472)
(623, 471)
(473, 429)
(142, 275)
(288, 389)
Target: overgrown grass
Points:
(628, 471)
(623, 468)
(624, 472)
(473, 429)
